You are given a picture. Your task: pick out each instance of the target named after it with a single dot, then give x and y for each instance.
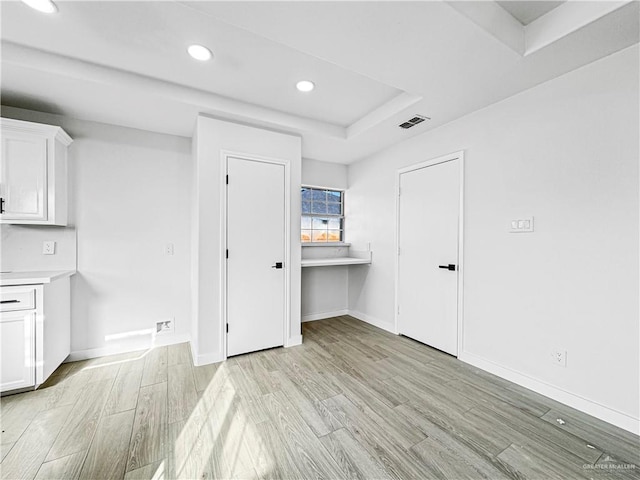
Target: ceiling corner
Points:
(495, 20)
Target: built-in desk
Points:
(328, 262)
(325, 291)
(321, 256)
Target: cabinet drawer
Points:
(17, 298)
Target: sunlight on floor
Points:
(159, 474)
(140, 355)
(224, 436)
(216, 436)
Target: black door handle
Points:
(451, 267)
(1, 205)
(278, 265)
(9, 301)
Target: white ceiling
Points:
(528, 11)
(375, 64)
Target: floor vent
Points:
(412, 122)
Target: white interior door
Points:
(256, 248)
(428, 245)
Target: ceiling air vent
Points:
(412, 122)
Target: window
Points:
(322, 215)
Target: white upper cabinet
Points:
(33, 173)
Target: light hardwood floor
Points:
(352, 402)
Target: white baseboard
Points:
(293, 341)
(206, 359)
(589, 407)
(321, 316)
(376, 322)
(160, 340)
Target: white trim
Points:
(205, 359)
(43, 130)
(293, 341)
(384, 112)
(225, 154)
(311, 317)
(286, 336)
(563, 21)
(461, 258)
(429, 163)
(496, 21)
(432, 162)
(542, 32)
(155, 341)
(322, 187)
(376, 322)
(222, 347)
(587, 406)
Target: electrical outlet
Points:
(48, 248)
(559, 357)
(521, 225)
(164, 327)
(168, 249)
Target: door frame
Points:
(460, 297)
(224, 168)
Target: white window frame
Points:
(341, 216)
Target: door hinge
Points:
(227, 253)
(227, 179)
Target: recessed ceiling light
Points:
(200, 53)
(45, 6)
(305, 85)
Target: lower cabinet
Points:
(35, 332)
(18, 350)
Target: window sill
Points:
(327, 244)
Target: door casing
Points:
(459, 156)
(225, 155)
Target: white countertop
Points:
(32, 278)
(353, 257)
(328, 262)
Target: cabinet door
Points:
(23, 176)
(17, 339)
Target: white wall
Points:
(565, 152)
(22, 248)
(129, 196)
(212, 138)
(324, 174)
(324, 289)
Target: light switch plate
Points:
(49, 248)
(521, 225)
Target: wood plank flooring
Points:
(352, 402)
